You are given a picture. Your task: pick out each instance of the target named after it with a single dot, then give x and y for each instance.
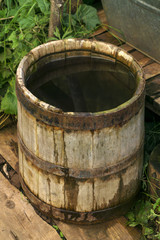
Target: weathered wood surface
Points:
(111, 230)
(18, 220)
(8, 145)
(150, 67)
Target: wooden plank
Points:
(8, 145)
(153, 87)
(141, 58)
(102, 16)
(145, 61)
(112, 230)
(18, 220)
(108, 37)
(103, 21)
(126, 47)
(151, 70)
(153, 94)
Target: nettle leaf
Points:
(153, 215)
(13, 39)
(21, 36)
(43, 5)
(3, 13)
(133, 224)
(27, 22)
(8, 53)
(5, 55)
(143, 214)
(7, 28)
(2, 57)
(3, 89)
(28, 36)
(35, 42)
(156, 204)
(6, 73)
(9, 101)
(130, 216)
(3, 81)
(88, 15)
(57, 33)
(148, 231)
(22, 2)
(13, 11)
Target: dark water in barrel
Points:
(82, 84)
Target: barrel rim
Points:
(81, 120)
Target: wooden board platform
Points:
(19, 221)
(150, 67)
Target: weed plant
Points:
(24, 25)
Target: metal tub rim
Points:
(147, 6)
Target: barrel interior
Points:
(81, 83)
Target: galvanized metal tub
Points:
(79, 167)
(139, 21)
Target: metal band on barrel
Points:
(76, 173)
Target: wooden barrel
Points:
(79, 167)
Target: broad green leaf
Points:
(148, 231)
(3, 13)
(9, 101)
(6, 73)
(5, 55)
(14, 39)
(157, 236)
(57, 33)
(153, 215)
(3, 90)
(67, 34)
(7, 28)
(35, 42)
(88, 15)
(133, 224)
(3, 81)
(21, 36)
(156, 204)
(143, 212)
(2, 57)
(13, 11)
(22, 2)
(28, 36)
(43, 5)
(66, 20)
(130, 216)
(27, 22)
